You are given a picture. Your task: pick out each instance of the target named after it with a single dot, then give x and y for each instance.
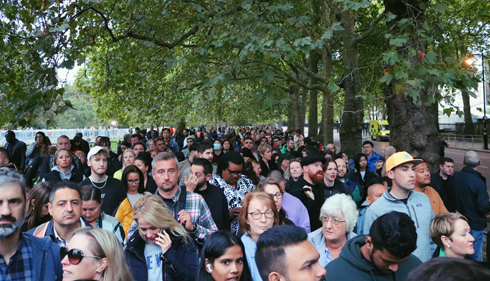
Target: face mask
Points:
(217, 146)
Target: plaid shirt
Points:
(20, 266)
(197, 209)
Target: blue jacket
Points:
(180, 262)
(46, 258)
(372, 161)
(418, 208)
(468, 193)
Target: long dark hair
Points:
(46, 141)
(40, 194)
(133, 169)
(216, 245)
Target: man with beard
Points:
(200, 173)
(65, 206)
(309, 189)
(20, 253)
(386, 254)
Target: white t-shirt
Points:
(153, 262)
(363, 174)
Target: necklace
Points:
(99, 187)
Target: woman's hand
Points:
(163, 240)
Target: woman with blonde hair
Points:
(128, 158)
(94, 254)
(161, 248)
(451, 233)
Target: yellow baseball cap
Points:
(399, 158)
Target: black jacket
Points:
(180, 262)
(265, 170)
(53, 177)
(17, 153)
(441, 186)
(468, 191)
(313, 206)
(338, 187)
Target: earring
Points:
(449, 246)
(208, 268)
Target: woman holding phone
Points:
(161, 249)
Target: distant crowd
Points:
(251, 203)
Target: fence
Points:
(463, 141)
(29, 136)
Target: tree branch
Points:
(371, 28)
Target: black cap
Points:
(312, 158)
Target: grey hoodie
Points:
(418, 208)
(351, 265)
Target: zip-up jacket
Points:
(179, 263)
(418, 207)
(46, 262)
(352, 265)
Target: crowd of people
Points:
(254, 203)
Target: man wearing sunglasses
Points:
(22, 255)
(234, 185)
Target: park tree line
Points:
(253, 60)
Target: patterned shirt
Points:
(234, 195)
(20, 264)
(197, 209)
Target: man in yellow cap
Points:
(400, 197)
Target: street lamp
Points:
(470, 61)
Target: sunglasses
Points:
(75, 256)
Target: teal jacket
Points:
(351, 265)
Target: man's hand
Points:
(191, 182)
(185, 219)
(309, 192)
(285, 164)
(235, 212)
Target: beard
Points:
(317, 177)
(200, 184)
(7, 230)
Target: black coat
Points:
(265, 170)
(180, 262)
(313, 206)
(468, 192)
(17, 153)
(53, 177)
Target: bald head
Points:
(374, 192)
(390, 150)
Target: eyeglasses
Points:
(269, 214)
(278, 195)
(333, 220)
(75, 256)
(234, 173)
(133, 181)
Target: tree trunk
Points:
(351, 129)
(413, 124)
(313, 111)
(302, 110)
(469, 128)
(326, 131)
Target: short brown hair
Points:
(443, 225)
(259, 195)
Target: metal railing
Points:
(464, 141)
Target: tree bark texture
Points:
(326, 131)
(313, 111)
(351, 129)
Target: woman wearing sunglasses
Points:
(161, 249)
(258, 213)
(94, 254)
